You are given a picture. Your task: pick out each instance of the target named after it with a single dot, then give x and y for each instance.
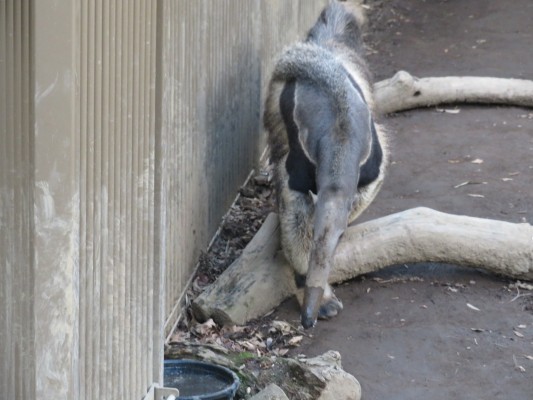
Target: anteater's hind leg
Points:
(296, 211)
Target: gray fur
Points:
(305, 62)
(329, 118)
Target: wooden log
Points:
(261, 278)
(258, 281)
(425, 235)
(404, 91)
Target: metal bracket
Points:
(156, 392)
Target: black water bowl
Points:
(197, 380)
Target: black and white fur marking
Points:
(329, 155)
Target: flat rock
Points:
(271, 392)
(340, 385)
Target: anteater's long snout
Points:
(330, 220)
(311, 305)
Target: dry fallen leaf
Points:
(295, 341)
(280, 352)
(248, 345)
(517, 366)
(472, 307)
(282, 327)
(208, 327)
(461, 184)
(180, 337)
(469, 183)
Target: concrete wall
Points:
(211, 103)
(217, 59)
(126, 128)
(120, 288)
(17, 165)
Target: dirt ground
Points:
(409, 332)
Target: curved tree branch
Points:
(425, 235)
(261, 278)
(404, 91)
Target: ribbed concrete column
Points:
(57, 199)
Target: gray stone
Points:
(271, 392)
(340, 385)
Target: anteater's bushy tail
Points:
(339, 22)
(317, 66)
